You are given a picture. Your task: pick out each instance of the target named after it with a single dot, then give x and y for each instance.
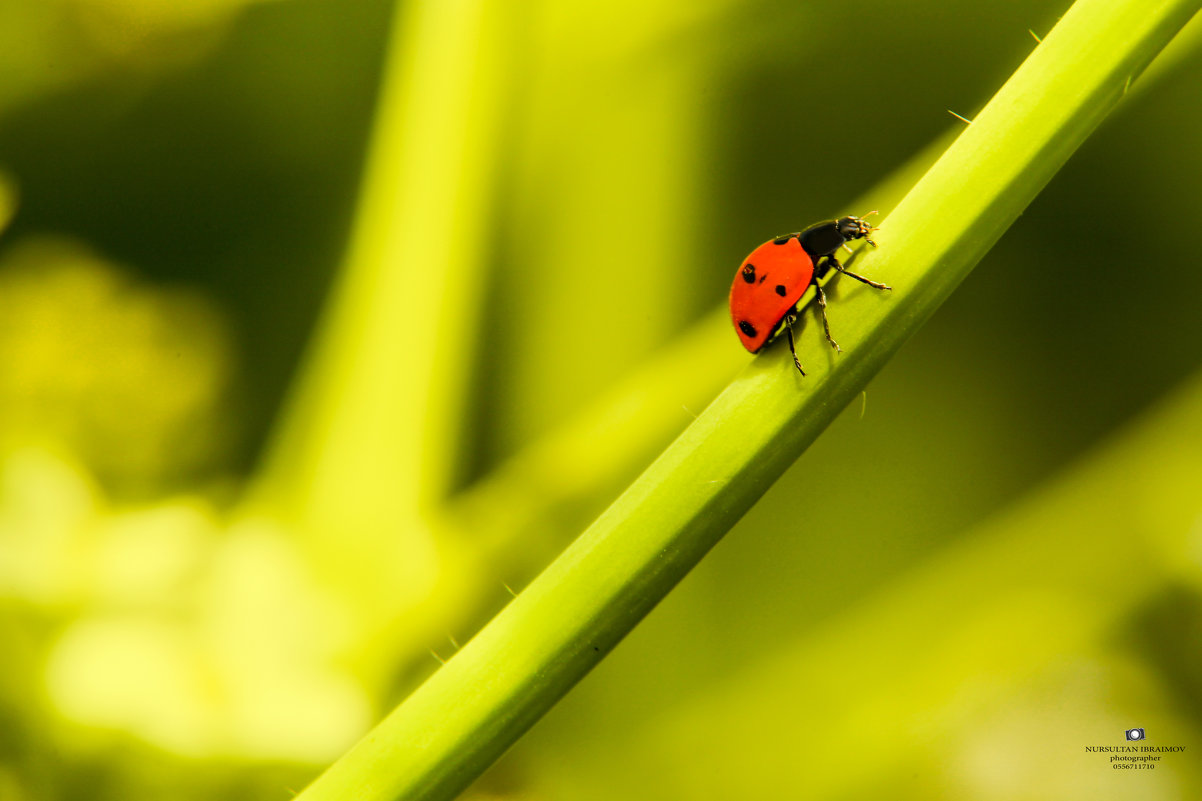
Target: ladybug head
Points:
(856, 228)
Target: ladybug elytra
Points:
(768, 289)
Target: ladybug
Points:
(768, 289)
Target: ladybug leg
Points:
(847, 247)
(826, 326)
(789, 331)
(834, 263)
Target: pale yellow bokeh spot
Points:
(237, 657)
(134, 674)
(47, 506)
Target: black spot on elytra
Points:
(747, 328)
(749, 273)
(780, 290)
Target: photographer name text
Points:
(1128, 749)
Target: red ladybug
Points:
(766, 295)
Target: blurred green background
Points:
(325, 325)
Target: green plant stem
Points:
(517, 667)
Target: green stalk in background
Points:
(468, 713)
(369, 438)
